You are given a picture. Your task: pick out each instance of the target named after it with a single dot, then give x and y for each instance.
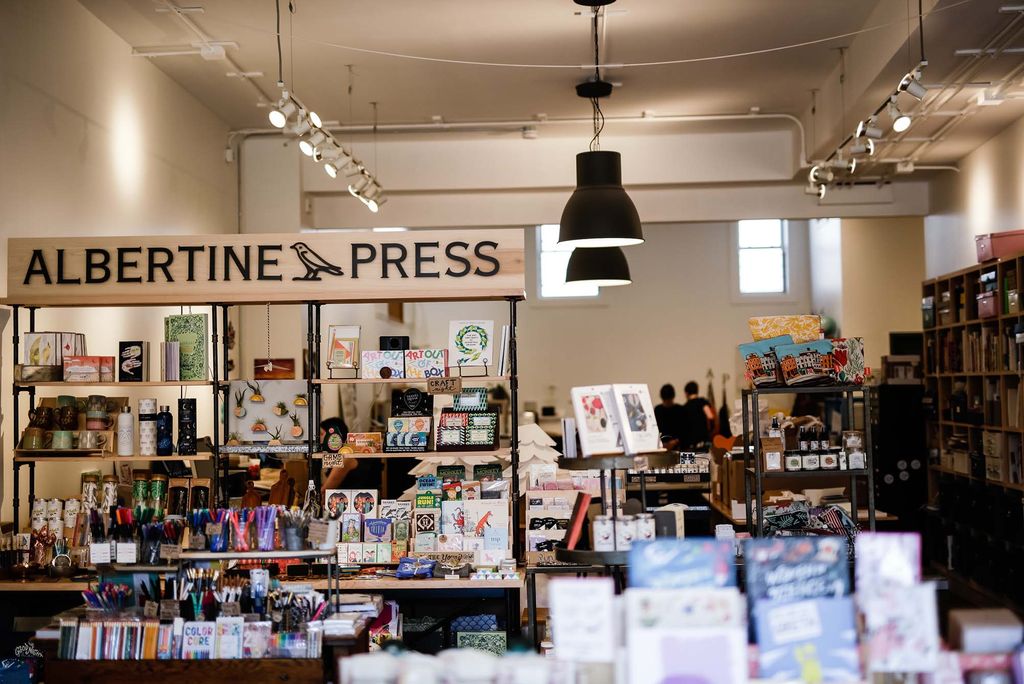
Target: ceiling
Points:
(544, 32)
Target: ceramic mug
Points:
(63, 439)
(97, 403)
(89, 439)
(67, 417)
(97, 420)
(67, 400)
(35, 438)
(41, 417)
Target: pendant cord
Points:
(268, 332)
(280, 59)
(595, 103)
(920, 26)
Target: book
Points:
(336, 503)
(377, 530)
(256, 639)
(426, 363)
(470, 343)
(170, 361)
(813, 640)
(382, 363)
(342, 346)
(796, 568)
(577, 520)
(228, 644)
(901, 628)
(635, 414)
(888, 558)
(453, 517)
(198, 640)
(447, 474)
(596, 420)
(364, 442)
(363, 501)
(487, 472)
(42, 349)
(682, 563)
(133, 361)
(191, 332)
(569, 442)
(486, 516)
(396, 509)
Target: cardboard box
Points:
(988, 304)
(984, 630)
(998, 245)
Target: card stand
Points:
(472, 374)
(342, 373)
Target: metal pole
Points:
(311, 427)
(755, 407)
(225, 388)
(316, 406)
(517, 547)
(870, 458)
(215, 353)
(31, 405)
(15, 315)
(746, 462)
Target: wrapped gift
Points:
(848, 360)
(802, 328)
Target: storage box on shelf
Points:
(973, 371)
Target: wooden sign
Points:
(255, 268)
(444, 385)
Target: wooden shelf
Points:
(809, 473)
(960, 374)
(44, 458)
(155, 383)
(435, 584)
(968, 476)
(502, 452)
(405, 381)
(996, 428)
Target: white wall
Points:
(96, 142)
(987, 196)
(676, 320)
(825, 239)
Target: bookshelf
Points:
(972, 368)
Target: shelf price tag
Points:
(444, 385)
(151, 609)
(170, 551)
(99, 553)
(127, 552)
(230, 609)
(333, 460)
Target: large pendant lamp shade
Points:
(599, 213)
(601, 266)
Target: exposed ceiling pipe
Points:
(519, 124)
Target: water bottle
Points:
(164, 432)
(126, 432)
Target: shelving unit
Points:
(466, 379)
(755, 476)
(972, 369)
(126, 385)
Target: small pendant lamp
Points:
(601, 266)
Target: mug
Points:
(63, 439)
(88, 439)
(41, 417)
(35, 438)
(67, 417)
(97, 403)
(98, 420)
(67, 400)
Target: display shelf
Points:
(433, 584)
(502, 452)
(968, 476)
(44, 585)
(148, 383)
(978, 426)
(295, 670)
(29, 457)
(256, 555)
(407, 381)
(809, 473)
(670, 486)
(814, 389)
(618, 461)
(592, 557)
(263, 448)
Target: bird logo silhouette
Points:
(314, 263)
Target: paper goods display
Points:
(596, 419)
(793, 568)
(343, 346)
(682, 563)
(583, 618)
(812, 641)
(901, 628)
(635, 414)
(888, 558)
(471, 343)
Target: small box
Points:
(23, 373)
(998, 245)
(961, 462)
(342, 552)
(984, 630)
(369, 553)
(771, 452)
(85, 368)
(425, 541)
(377, 530)
(669, 521)
(351, 527)
(1012, 302)
(988, 304)
(383, 553)
(398, 550)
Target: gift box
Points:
(86, 368)
(809, 363)
(762, 368)
(802, 327)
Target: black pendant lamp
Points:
(599, 213)
(601, 266)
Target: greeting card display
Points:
(471, 343)
(635, 414)
(814, 640)
(343, 346)
(596, 420)
(888, 558)
(682, 563)
(426, 363)
(386, 364)
(794, 568)
(407, 434)
(901, 628)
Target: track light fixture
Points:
(865, 146)
(282, 111)
(310, 144)
(868, 129)
(818, 189)
(900, 121)
(911, 85)
(820, 174)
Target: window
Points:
(552, 260)
(762, 248)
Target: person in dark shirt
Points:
(698, 417)
(669, 416)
